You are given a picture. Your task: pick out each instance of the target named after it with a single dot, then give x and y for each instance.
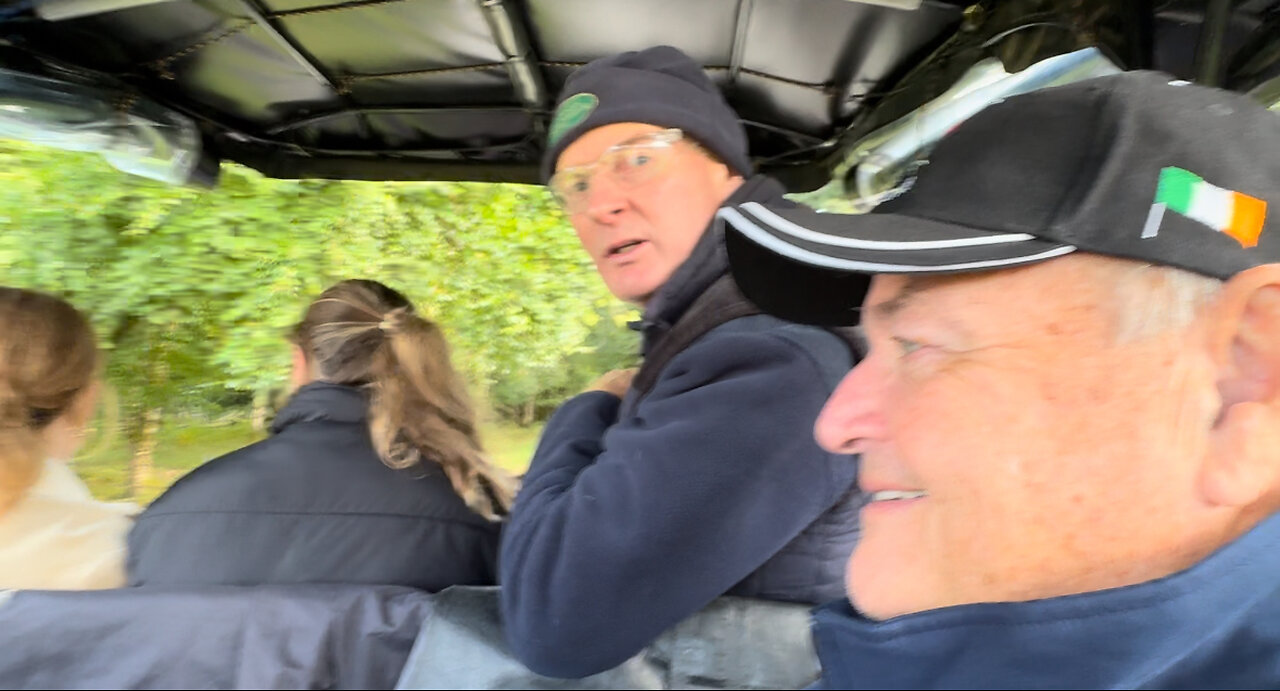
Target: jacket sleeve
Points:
(623, 530)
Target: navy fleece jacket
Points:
(1215, 625)
(625, 527)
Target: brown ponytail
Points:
(361, 332)
(47, 359)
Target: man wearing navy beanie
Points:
(652, 494)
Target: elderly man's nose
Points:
(852, 413)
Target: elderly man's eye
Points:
(906, 346)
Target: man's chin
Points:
(876, 608)
(632, 294)
(878, 592)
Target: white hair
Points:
(1155, 299)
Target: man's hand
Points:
(616, 382)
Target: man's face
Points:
(1032, 453)
(638, 234)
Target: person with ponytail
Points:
(374, 472)
(53, 534)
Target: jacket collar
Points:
(1202, 623)
(323, 401)
(58, 481)
(708, 262)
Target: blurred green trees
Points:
(191, 291)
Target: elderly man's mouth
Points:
(889, 495)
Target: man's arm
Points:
(623, 530)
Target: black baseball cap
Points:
(1135, 165)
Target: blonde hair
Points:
(362, 333)
(48, 357)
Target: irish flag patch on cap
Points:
(1181, 191)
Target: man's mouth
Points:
(897, 494)
(624, 248)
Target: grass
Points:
(183, 446)
(511, 446)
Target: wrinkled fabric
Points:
(313, 504)
(636, 514)
(1215, 625)
(733, 643)
(215, 637)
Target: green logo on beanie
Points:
(570, 114)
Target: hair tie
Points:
(391, 320)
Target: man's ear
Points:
(730, 180)
(1243, 462)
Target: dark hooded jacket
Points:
(313, 504)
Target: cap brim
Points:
(814, 268)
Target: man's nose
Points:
(605, 199)
(853, 414)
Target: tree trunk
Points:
(143, 461)
(526, 413)
(140, 466)
(261, 410)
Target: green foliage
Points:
(192, 291)
(535, 394)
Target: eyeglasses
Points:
(626, 164)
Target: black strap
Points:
(720, 303)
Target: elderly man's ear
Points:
(1242, 467)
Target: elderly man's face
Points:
(1019, 449)
(638, 234)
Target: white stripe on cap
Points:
(782, 225)
(772, 242)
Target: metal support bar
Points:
(316, 118)
(444, 149)
(741, 22)
(512, 38)
(273, 164)
(895, 4)
(60, 10)
(1213, 34)
(258, 14)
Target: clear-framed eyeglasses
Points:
(626, 164)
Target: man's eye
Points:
(906, 346)
(579, 186)
(638, 159)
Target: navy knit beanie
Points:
(658, 86)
